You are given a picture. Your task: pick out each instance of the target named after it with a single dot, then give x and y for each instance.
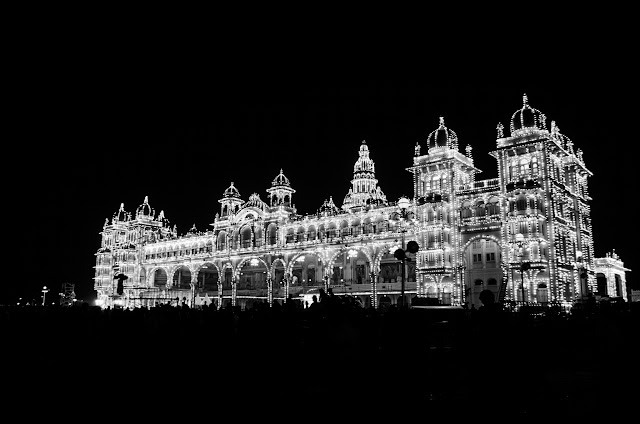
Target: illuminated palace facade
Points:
(526, 235)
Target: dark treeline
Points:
(335, 352)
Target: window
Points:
(491, 257)
(477, 244)
(478, 282)
(477, 257)
(492, 282)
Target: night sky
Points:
(92, 140)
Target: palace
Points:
(525, 235)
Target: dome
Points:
(527, 118)
(442, 137)
(280, 180)
(144, 210)
(231, 192)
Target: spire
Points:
(525, 100)
(146, 200)
(500, 129)
(442, 121)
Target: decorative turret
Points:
(231, 201)
(280, 193)
(328, 208)
(121, 215)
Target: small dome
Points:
(442, 137)
(144, 210)
(527, 118)
(231, 192)
(280, 180)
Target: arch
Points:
(311, 233)
(222, 240)
(238, 268)
(159, 280)
(481, 236)
(246, 236)
(181, 277)
(300, 234)
(272, 234)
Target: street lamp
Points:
(402, 215)
(45, 290)
(581, 274)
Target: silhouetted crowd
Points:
(334, 351)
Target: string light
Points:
(541, 192)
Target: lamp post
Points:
(523, 266)
(45, 290)
(402, 215)
(581, 274)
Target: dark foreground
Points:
(296, 364)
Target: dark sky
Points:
(92, 140)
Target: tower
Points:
(364, 185)
(437, 177)
(546, 219)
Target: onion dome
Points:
(256, 202)
(280, 180)
(527, 118)
(231, 192)
(442, 137)
(144, 210)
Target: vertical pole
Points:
(403, 273)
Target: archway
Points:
(252, 283)
(160, 278)
(482, 267)
(182, 278)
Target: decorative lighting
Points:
(553, 225)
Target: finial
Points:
(231, 183)
(280, 170)
(525, 100)
(146, 199)
(500, 129)
(417, 149)
(121, 207)
(442, 121)
(468, 150)
(554, 127)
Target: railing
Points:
(490, 183)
